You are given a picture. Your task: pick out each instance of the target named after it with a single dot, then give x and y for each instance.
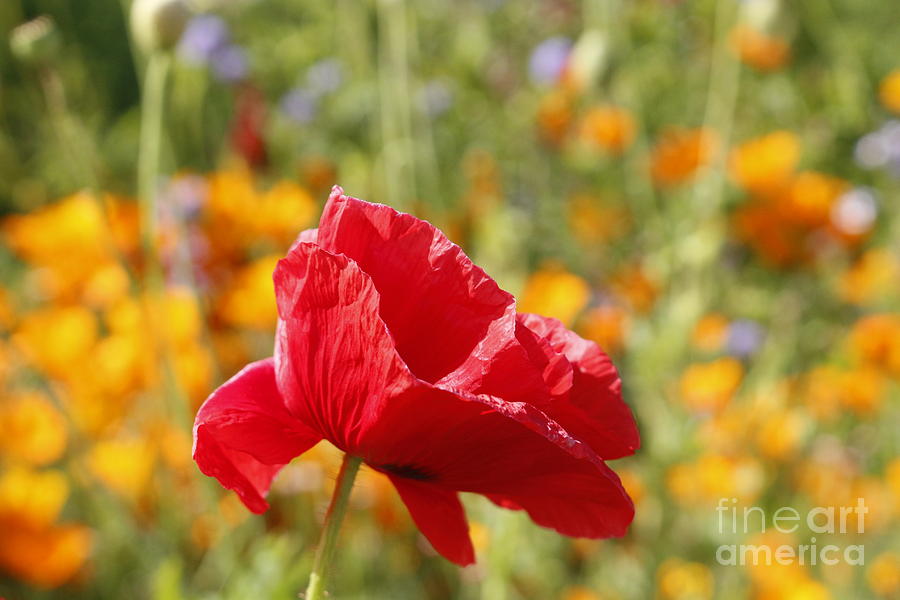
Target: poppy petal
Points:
(438, 305)
(333, 353)
(577, 501)
(309, 236)
(593, 410)
(505, 450)
(243, 434)
(440, 517)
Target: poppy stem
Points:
(333, 518)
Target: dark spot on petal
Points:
(408, 471)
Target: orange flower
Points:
(35, 549)
(554, 292)
(554, 117)
(889, 91)
(610, 128)
(765, 163)
(680, 153)
(633, 285)
(710, 333)
(592, 221)
(876, 340)
(871, 279)
(811, 197)
(759, 50)
(606, 325)
(883, 576)
(31, 429)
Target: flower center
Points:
(408, 471)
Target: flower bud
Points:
(36, 41)
(158, 24)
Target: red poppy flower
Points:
(396, 348)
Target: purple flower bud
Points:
(744, 338)
(202, 38)
(855, 211)
(549, 59)
(300, 105)
(186, 195)
(325, 76)
(435, 98)
(230, 64)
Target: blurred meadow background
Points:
(707, 188)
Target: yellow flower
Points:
(680, 153)
(781, 432)
(578, 592)
(871, 279)
(892, 478)
(681, 580)
(889, 91)
(609, 128)
(31, 429)
(554, 292)
(766, 163)
(182, 321)
(633, 484)
(883, 576)
(480, 535)
(56, 340)
(106, 285)
(862, 390)
(759, 50)
(709, 387)
(193, 367)
(124, 465)
(283, 212)
(66, 241)
(250, 301)
(713, 476)
(7, 311)
(32, 498)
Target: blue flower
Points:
(744, 338)
(300, 105)
(230, 64)
(204, 36)
(549, 59)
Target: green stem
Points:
(333, 518)
(152, 109)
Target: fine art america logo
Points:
(821, 520)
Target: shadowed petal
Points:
(440, 517)
(578, 501)
(333, 353)
(243, 434)
(509, 451)
(593, 410)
